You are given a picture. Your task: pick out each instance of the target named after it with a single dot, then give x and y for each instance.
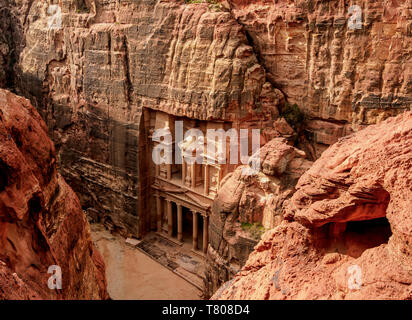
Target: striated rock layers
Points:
(347, 229)
(343, 77)
(246, 205)
(41, 221)
(92, 78)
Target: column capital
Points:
(204, 214)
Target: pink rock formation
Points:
(239, 61)
(41, 220)
(343, 78)
(95, 79)
(347, 228)
(247, 205)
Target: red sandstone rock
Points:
(247, 205)
(344, 78)
(93, 79)
(275, 157)
(331, 226)
(41, 220)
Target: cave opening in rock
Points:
(354, 237)
(366, 226)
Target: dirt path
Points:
(133, 275)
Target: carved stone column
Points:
(158, 212)
(206, 179)
(205, 233)
(195, 229)
(184, 167)
(179, 223)
(193, 174)
(169, 218)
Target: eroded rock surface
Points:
(92, 78)
(41, 220)
(343, 77)
(246, 205)
(347, 229)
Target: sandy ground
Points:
(133, 275)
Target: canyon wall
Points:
(347, 229)
(92, 78)
(41, 220)
(343, 78)
(240, 61)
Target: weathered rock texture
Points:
(246, 205)
(335, 223)
(91, 79)
(343, 78)
(41, 221)
(237, 62)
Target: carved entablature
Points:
(202, 178)
(184, 197)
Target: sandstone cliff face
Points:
(343, 78)
(239, 62)
(41, 221)
(246, 206)
(6, 46)
(92, 78)
(347, 229)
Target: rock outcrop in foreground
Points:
(347, 230)
(41, 220)
(246, 205)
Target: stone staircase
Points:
(172, 256)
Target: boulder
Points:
(346, 231)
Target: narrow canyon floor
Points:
(133, 275)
